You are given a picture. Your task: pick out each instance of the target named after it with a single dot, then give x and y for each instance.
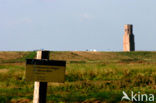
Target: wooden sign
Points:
(45, 70)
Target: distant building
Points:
(93, 50)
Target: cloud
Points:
(26, 21)
(85, 16)
(49, 0)
(20, 21)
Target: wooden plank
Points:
(46, 62)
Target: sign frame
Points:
(44, 70)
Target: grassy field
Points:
(91, 77)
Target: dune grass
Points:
(90, 76)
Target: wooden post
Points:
(40, 88)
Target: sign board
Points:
(45, 70)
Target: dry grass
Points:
(12, 55)
(91, 77)
(2, 71)
(83, 56)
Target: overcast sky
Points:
(75, 24)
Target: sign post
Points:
(42, 70)
(40, 88)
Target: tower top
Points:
(128, 29)
(128, 26)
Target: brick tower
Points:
(128, 39)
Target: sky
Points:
(67, 25)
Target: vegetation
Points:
(91, 77)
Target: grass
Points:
(91, 77)
(17, 57)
